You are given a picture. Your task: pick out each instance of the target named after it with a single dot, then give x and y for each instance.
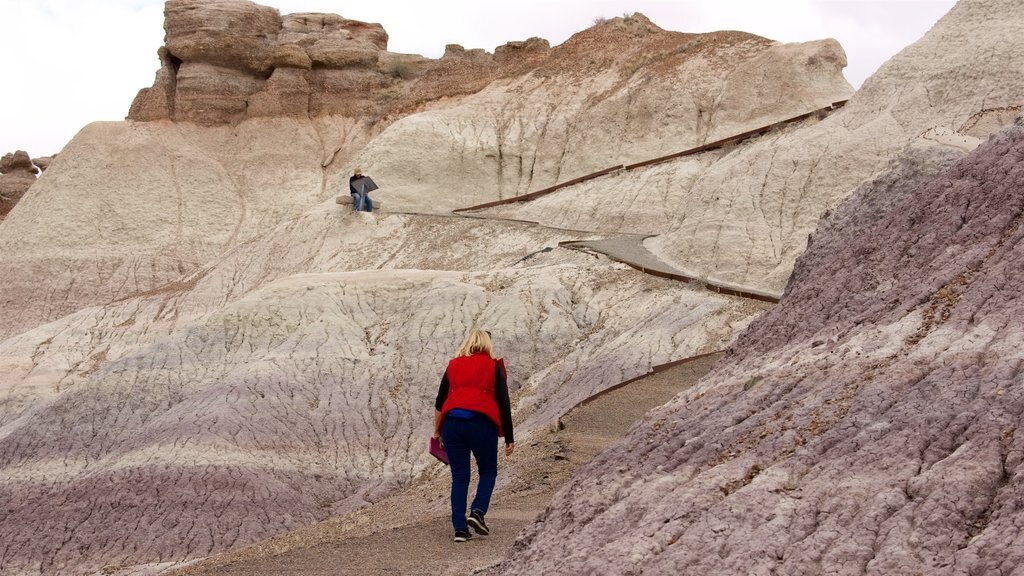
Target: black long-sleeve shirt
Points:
(500, 397)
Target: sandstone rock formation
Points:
(17, 174)
(201, 349)
(550, 127)
(866, 425)
(227, 61)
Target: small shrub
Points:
(600, 20)
(401, 70)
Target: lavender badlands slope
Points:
(306, 397)
(867, 425)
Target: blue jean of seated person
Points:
(361, 202)
(465, 433)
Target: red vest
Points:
(471, 387)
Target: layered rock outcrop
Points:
(542, 117)
(17, 174)
(227, 61)
(869, 424)
(197, 340)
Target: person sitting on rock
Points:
(360, 187)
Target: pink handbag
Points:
(438, 451)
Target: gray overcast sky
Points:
(70, 62)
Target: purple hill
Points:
(869, 424)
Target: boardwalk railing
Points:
(654, 370)
(627, 167)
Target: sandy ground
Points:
(410, 533)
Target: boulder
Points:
(457, 51)
(17, 162)
(17, 175)
(43, 162)
(234, 34)
(511, 51)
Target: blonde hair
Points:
(476, 342)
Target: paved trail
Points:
(410, 533)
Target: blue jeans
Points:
(479, 436)
(361, 203)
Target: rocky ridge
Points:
(226, 61)
(199, 322)
(229, 61)
(750, 207)
(621, 92)
(234, 182)
(867, 424)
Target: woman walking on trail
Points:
(472, 411)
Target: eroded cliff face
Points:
(868, 424)
(621, 92)
(227, 61)
(741, 215)
(228, 167)
(195, 333)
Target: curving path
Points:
(630, 250)
(409, 533)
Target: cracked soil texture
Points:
(293, 380)
(741, 215)
(200, 350)
(414, 525)
(868, 424)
